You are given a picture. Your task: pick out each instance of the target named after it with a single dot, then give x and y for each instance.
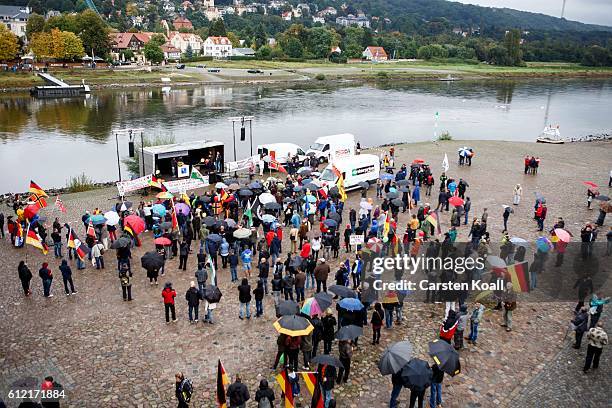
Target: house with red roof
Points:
(182, 23)
(372, 53)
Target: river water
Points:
(51, 140)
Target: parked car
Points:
(254, 71)
(214, 70)
(180, 66)
(201, 66)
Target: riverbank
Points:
(236, 72)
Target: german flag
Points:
(433, 218)
(518, 274)
(35, 189)
(283, 381)
(315, 389)
(74, 242)
(34, 239)
(310, 379)
(222, 381)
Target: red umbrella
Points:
(590, 184)
(456, 201)
(30, 211)
(135, 223)
(418, 160)
(374, 244)
(162, 241)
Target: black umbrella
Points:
(212, 294)
(245, 193)
(331, 223)
(214, 238)
(349, 332)
(288, 307)
(334, 191)
(364, 185)
(165, 225)
(342, 291)
(445, 356)
(152, 260)
(392, 195)
(289, 200)
(121, 242)
(323, 299)
(272, 206)
(334, 216)
(403, 182)
(417, 375)
(231, 181)
(395, 357)
(397, 202)
(293, 325)
(327, 359)
(602, 197)
(205, 199)
(311, 187)
(305, 172)
(209, 221)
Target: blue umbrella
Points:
(310, 198)
(268, 218)
(386, 176)
(351, 304)
(330, 223)
(159, 210)
(97, 219)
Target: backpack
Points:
(264, 402)
(123, 276)
(187, 389)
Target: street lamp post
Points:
(130, 132)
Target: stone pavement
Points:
(110, 353)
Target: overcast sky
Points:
(586, 11)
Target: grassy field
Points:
(299, 70)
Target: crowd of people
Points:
(277, 239)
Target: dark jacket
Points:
(65, 269)
(24, 273)
(580, 321)
(259, 292)
(438, 375)
(238, 394)
(193, 297)
(244, 293)
(264, 270)
(329, 327)
(265, 393)
(45, 273)
(288, 282)
(233, 260)
(277, 283)
(377, 317)
(321, 272)
(300, 279)
(201, 275)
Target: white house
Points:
(15, 18)
(171, 52)
(317, 19)
(243, 52)
(372, 53)
(184, 40)
(351, 20)
(218, 47)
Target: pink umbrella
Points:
(562, 234)
(162, 241)
(374, 244)
(590, 184)
(135, 223)
(456, 201)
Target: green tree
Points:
(498, 55)
(596, 56)
(153, 53)
(158, 39)
(36, 24)
(260, 36)
(432, 51)
(189, 52)
(72, 47)
(42, 45)
(353, 40)
(263, 52)
(9, 44)
(320, 42)
(512, 42)
(294, 48)
(127, 54)
(94, 33)
(217, 28)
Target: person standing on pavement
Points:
(597, 338)
(378, 317)
(47, 279)
(596, 307)
(2, 224)
(345, 348)
(233, 263)
(57, 243)
(475, 319)
(183, 390)
(183, 254)
(435, 396)
(517, 193)
(264, 395)
(168, 294)
(67, 277)
(201, 276)
(329, 330)
(97, 251)
(259, 293)
(300, 282)
(580, 323)
(193, 297)
(244, 297)
(264, 272)
(321, 272)
(25, 276)
(398, 384)
(509, 306)
(125, 277)
(238, 393)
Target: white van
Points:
(329, 148)
(281, 151)
(355, 169)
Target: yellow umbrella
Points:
(164, 194)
